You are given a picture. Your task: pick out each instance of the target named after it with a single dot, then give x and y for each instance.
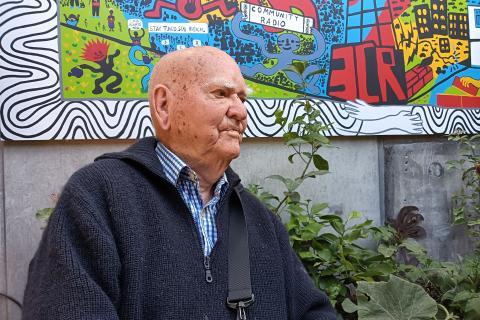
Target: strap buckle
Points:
(240, 306)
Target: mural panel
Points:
(80, 68)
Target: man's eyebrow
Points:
(226, 85)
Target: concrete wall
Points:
(374, 175)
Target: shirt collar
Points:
(176, 169)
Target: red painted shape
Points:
(362, 73)
(453, 101)
(386, 75)
(156, 12)
(417, 77)
(385, 31)
(417, 86)
(448, 100)
(471, 89)
(195, 8)
(346, 77)
(470, 102)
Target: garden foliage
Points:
(394, 280)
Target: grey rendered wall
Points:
(3, 275)
(367, 174)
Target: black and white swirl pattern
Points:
(32, 107)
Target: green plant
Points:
(45, 213)
(304, 136)
(326, 243)
(396, 299)
(466, 202)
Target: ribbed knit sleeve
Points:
(76, 270)
(305, 301)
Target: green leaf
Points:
(354, 215)
(319, 162)
(295, 141)
(472, 309)
(314, 173)
(386, 251)
(413, 246)
(276, 177)
(348, 306)
(290, 157)
(44, 214)
(297, 66)
(318, 207)
(318, 71)
(324, 254)
(396, 299)
(338, 226)
(292, 68)
(294, 196)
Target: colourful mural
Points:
(79, 69)
(379, 51)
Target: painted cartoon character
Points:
(74, 3)
(288, 43)
(146, 61)
(71, 19)
(136, 38)
(111, 21)
(97, 51)
(95, 8)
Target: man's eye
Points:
(220, 93)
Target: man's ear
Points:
(159, 104)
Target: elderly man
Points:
(143, 233)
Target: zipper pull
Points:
(208, 273)
(241, 315)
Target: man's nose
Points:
(237, 109)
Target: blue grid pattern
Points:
(186, 182)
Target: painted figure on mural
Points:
(288, 44)
(111, 21)
(72, 20)
(74, 3)
(95, 8)
(97, 51)
(136, 37)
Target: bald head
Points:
(196, 100)
(180, 69)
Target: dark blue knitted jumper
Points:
(121, 244)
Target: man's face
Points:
(209, 116)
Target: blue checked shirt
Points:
(186, 182)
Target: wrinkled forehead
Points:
(211, 70)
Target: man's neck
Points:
(207, 178)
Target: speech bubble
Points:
(135, 24)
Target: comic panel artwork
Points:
(376, 67)
(378, 51)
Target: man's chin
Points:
(232, 151)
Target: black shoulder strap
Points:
(240, 293)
